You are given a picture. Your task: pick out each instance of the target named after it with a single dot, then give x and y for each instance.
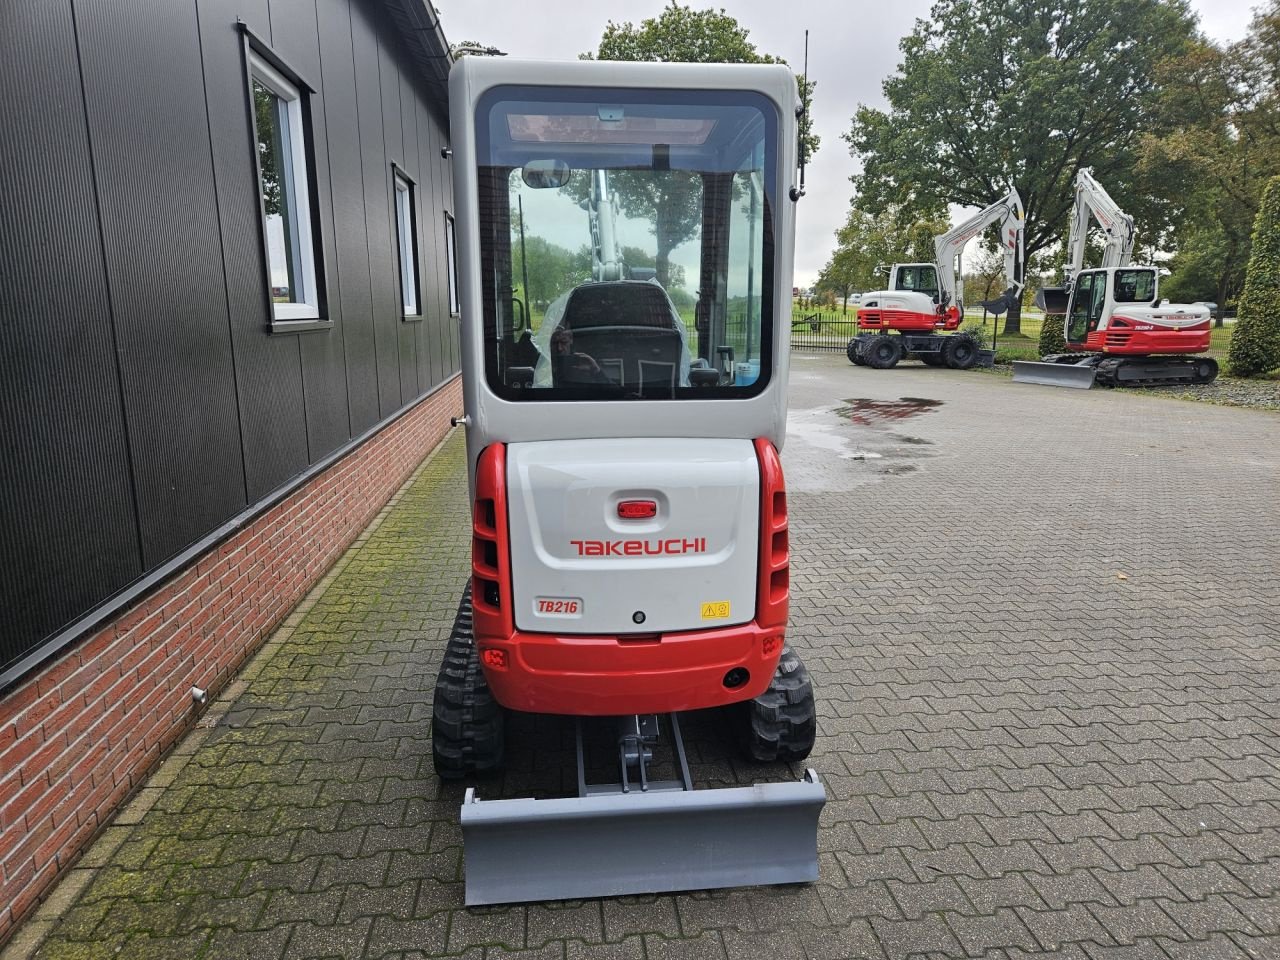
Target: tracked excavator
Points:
(925, 298)
(630, 553)
(1117, 331)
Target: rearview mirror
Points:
(544, 174)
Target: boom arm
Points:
(947, 247)
(1117, 226)
(606, 256)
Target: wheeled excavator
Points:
(1117, 331)
(925, 298)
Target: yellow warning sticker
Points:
(716, 610)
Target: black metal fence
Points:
(812, 331)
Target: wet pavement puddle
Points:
(871, 412)
(822, 442)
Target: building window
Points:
(451, 255)
(284, 187)
(406, 241)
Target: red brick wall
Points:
(82, 732)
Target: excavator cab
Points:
(625, 250)
(919, 277)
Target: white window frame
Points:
(306, 302)
(451, 264)
(407, 243)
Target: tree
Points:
(685, 35)
(474, 48)
(1255, 343)
(680, 34)
(1220, 112)
(865, 243)
(552, 269)
(990, 92)
(984, 277)
(1209, 265)
(639, 257)
(266, 121)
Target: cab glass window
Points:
(1135, 286)
(626, 242)
(922, 279)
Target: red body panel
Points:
(1128, 338)
(635, 673)
(773, 590)
(874, 318)
(491, 547)
(612, 676)
(1124, 337)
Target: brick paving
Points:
(1043, 624)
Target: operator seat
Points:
(629, 328)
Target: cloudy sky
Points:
(853, 45)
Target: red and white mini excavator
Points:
(625, 384)
(924, 298)
(1118, 331)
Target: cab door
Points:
(1087, 298)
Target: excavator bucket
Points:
(1053, 299)
(640, 836)
(1079, 376)
(1001, 303)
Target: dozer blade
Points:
(1079, 376)
(518, 851)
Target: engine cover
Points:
(633, 536)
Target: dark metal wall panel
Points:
(295, 37)
(68, 534)
(444, 204)
(422, 199)
(268, 369)
(377, 206)
(145, 400)
(426, 253)
(346, 183)
(147, 122)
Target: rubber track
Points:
(466, 721)
(1109, 373)
(782, 721)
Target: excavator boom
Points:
(1117, 226)
(947, 247)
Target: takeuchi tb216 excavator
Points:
(630, 558)
(925, 298)
(1118, 331)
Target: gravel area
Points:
(1226, 391)
(1230, 391)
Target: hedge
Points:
(1052, 334)
(1255, 342)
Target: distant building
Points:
(228, 333)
